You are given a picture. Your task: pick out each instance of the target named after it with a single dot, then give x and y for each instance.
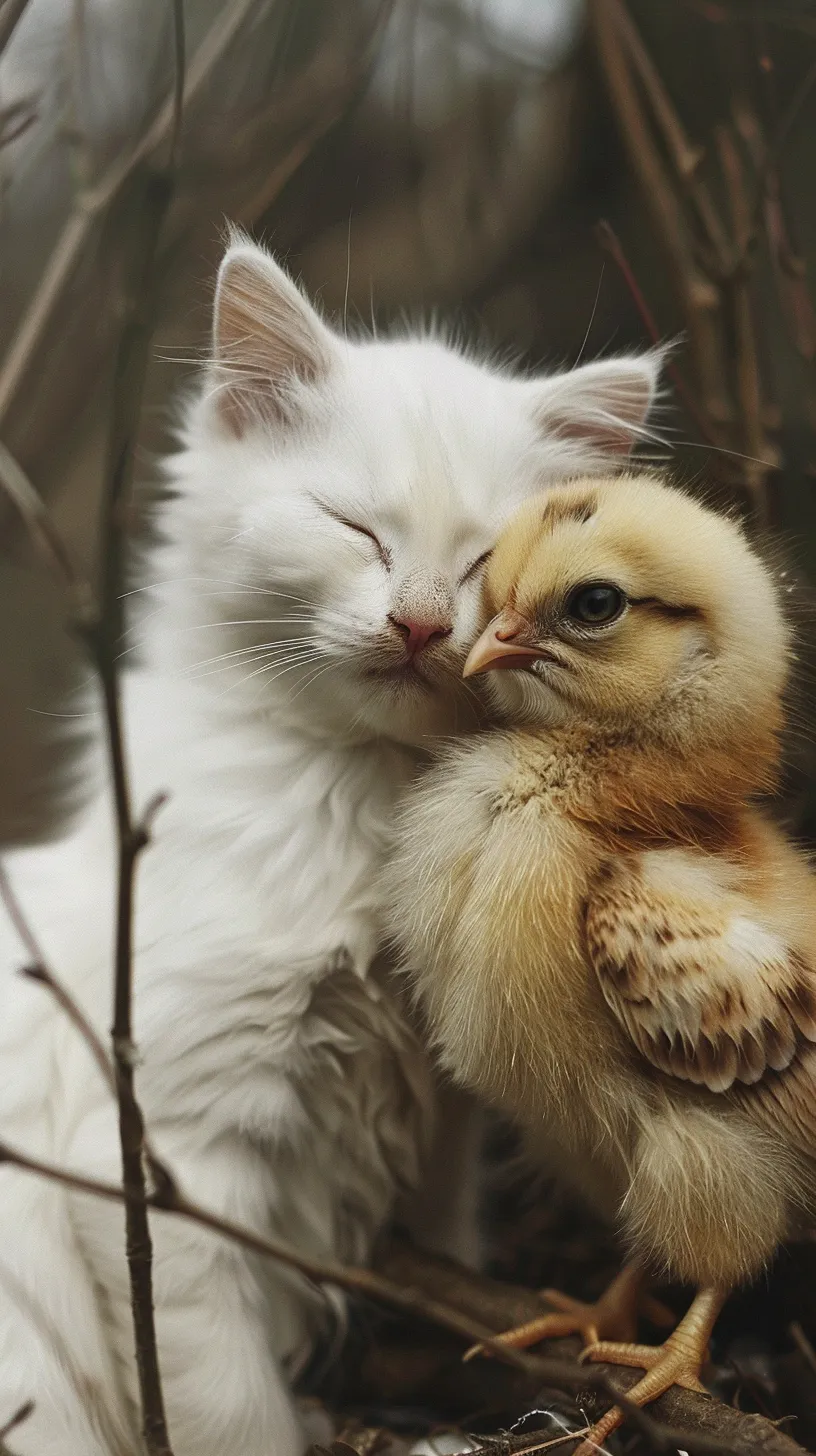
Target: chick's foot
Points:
(678, 1361)
(612, 1317)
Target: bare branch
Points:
(39, 972)
(611, 244)
(697, 295)
(102, 630)
(11, 12)
(749, 390)
(520, 1446)
(42, 974)
(17, 1419)
(94, 201)
(40, 527)
(685, 157)
(151, 194)
(15, 121)
(15, 913)
(357, 1281)
(803, 1344)
(179, 82)
(711, 253)
(706, 1426)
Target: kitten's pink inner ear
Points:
(603, 405)
(267, 339)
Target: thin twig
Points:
(787, 258)
(32, 947)
(788, 261)
(41, 529)
(791, 270)
(610, 242)
(685, 157)
(179, 83)
(94, 201)
(697, 295)
(15, 121)
(17, 1419)
(11, 13)
(793, 109)
(502, 1446)
(782, 133)
(737, 287)
(152, 191)
(40, 974)
(39, 971)
(803, 1344)
(357, 1281)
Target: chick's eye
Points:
(595, 604)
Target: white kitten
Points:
(334, 503)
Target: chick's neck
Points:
(661, 781)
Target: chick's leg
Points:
(612, 1317)
(677, 1361)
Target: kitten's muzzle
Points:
(507, 641)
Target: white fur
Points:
(277, 1073)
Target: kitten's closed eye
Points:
(475, 566)
(384, 552)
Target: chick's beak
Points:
(507, 641)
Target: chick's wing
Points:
(707, 992)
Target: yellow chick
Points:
(609, 938)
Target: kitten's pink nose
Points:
(418, 634)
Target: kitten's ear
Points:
(601, 406)
(267, 340)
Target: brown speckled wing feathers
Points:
(706, 992)
(786, 1099)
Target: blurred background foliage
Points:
(408, 158)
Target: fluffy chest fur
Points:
(261, 1033)
(495, 934)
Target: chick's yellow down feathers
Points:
(610, 939)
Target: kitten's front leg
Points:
(224, 1389)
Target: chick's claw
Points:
(547, 1327)
(678, 1361)
(666, 1366)
(612, 1317)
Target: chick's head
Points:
(627, 602)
